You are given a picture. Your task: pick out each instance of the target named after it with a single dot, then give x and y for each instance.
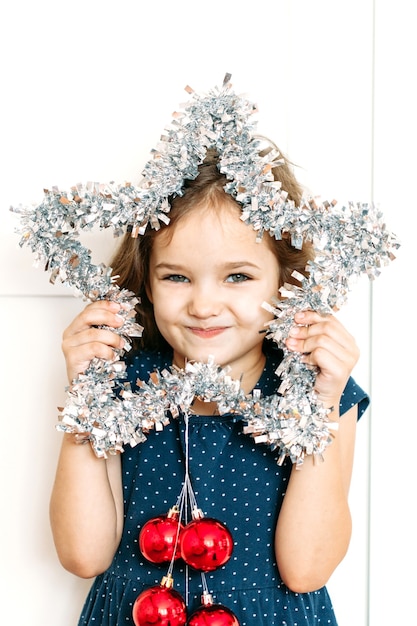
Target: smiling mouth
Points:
(207, 333)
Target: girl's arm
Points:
(314, 525)
(86, 507)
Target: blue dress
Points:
(236, 482)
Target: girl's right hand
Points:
(82, 340)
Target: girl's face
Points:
(208, 280)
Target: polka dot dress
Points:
(235, 481)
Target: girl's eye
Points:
(237, 278)
(176, 278)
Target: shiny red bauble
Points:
(213, 615)
(158, 538)
(206, 544)
(159, 606)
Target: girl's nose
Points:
(205, 302)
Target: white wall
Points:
(87, 88)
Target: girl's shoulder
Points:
(353, 395)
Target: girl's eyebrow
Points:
(237, 264)
(164, 265)
(228, 265)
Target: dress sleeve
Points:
(353, 394)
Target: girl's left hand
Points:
(326, 344)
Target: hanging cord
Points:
(186, 502)
(189, 501)
(189, 497)
(204, 583)
(185, 499)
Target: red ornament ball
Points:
(206, 544)
(158, 538)
(213, 615)
(159, 606)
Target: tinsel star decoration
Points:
(348, 241)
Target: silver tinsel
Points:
(348, 241)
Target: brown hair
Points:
(132, 259)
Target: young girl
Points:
(201, 281)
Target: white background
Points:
(86, 90)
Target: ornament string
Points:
(189, 496)
(188, 501)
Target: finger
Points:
(308, 317)
(322, 326)
(86, 339)
(325, 345)
(94, 334)
(100, 313)
(79, 350)
(324, 351)
(84, 353)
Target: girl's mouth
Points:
(207, 333)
